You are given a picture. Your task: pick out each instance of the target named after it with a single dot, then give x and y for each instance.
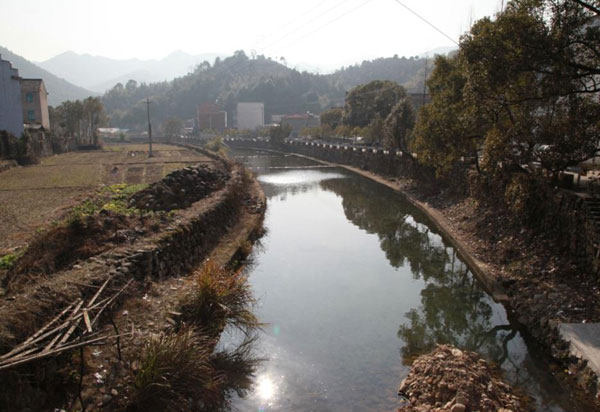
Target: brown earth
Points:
(33, 196)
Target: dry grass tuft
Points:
(219, 298)
(175, 373)
(179, 372)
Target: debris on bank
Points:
(452, 380)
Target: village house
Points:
(211, 117)
(35, 103)
(250, 115)
(11, 109)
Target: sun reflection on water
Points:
(265, 388)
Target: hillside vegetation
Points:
(241, 79)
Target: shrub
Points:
(175, 373)
(219, 298)
(179, 372)
(216, 145)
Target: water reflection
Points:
(350, 277)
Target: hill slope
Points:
(59, 89)
(241, 79)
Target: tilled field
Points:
(33, 196)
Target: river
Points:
(352, 282)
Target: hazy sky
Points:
(316, 32)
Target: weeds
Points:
(179, 372)
(176, 373)
(216, 145)
(219, 298)
(8, 261)
(110, 198)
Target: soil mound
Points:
(180, 188)
(451, 380)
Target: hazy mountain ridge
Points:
(100, 73)
(59, 89)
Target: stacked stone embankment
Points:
(181, 188)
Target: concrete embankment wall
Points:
(565, 214)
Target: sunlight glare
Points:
(265, 388)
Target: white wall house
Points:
(250, 115)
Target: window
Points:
(31, 115)
(29, 97)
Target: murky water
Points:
(353, 282)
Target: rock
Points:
(459, 407)
(462, 399)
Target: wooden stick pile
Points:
(66, 331)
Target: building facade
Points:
(211, 117)
(35, 103)
(250, 116)
(11, 108)
(300, 121)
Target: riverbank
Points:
(122, 304)
(541, 289)
(541, 292)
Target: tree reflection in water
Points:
(454, 309)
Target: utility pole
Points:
(149, 130)
(425, 83)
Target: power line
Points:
(427, 21)
(292, 21)
(301, 25)
(329, 22)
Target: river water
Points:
(352, 283)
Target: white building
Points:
(250, 115)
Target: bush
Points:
(216, 145)
(179, 372)
(219, 298)
(175, 373)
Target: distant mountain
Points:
(102, 73)
(59, 89)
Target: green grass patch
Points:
(8, 261)
(113, 198)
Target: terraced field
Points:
(36, 195)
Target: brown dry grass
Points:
(33, 196)
(219, 298)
